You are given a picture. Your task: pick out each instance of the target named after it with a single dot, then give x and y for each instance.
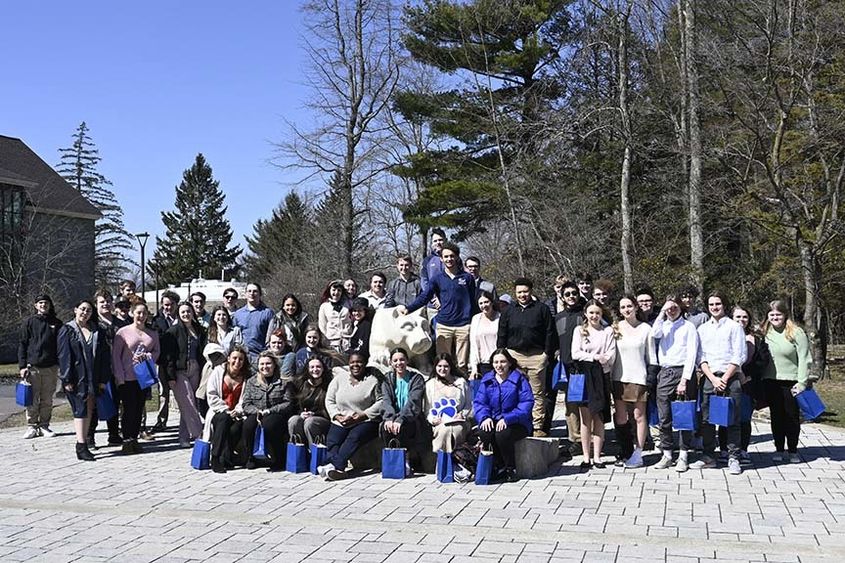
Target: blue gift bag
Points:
(297, 456)
(258, 450)
(145, 373)
(685, 415)
(200, 455)
(747, 408)
(559, 378)
(445, 467)
(23, 394)
(810, 404)
(653, 413)
(577, 389)
(484, 467)
(106, 406)
(319, 453)
(393, 461)
(721, 410)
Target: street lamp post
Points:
(142, 240)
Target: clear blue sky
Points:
(157, 82)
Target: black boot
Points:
(83, 453)
(217, 465)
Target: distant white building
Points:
(213, 290)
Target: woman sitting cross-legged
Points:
(503, 406)
(224, 421)
(448, 404)
(268, 401)
(403, 392)
(353, 402)
(312, 423)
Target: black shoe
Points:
(115, 441)
(335, 475)
(83, 453)
(511, 476)
(251, 464)
(217, 465)
(136, 447)
(275, 469)
(599, 465)
(91, 443)
(585, 466)
(158, 427)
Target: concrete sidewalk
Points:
(154, 507)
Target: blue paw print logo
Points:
(445, 407)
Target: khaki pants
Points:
(43, 381)
(573, 422)
(454, 340)
(535, 368)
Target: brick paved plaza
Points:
(154, 507)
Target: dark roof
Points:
(51, 191)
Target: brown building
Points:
(46, 240)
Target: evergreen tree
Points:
(78, 165)
(281, 242)
(198, 235)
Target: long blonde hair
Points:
(585, 333)
(790, 326)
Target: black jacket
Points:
(38, 342)
(310, 398)
(174, 349)
(360, 340)
(565, 322)
(390, 410)
(528, 330)
(78, 368)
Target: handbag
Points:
(810, 403)
(721, 410)
(652, 412)
(201, 455)
(559, 378)
(445, 467)
(746, 411)
(145, 373)
(106, 406)
(685, 415)
(484, 467)
(297, 455)
(23, 394)
(258, 450)
(393, 460)
(577, 389)
(319, 453)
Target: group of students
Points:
(233, 370)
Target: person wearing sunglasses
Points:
(230, 300)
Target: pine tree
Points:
(78, 165)
(281, 242)
(198, 235)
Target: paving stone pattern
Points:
(154, 507)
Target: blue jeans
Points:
(343, 442)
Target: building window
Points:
(11, 210)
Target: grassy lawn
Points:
(832, 389)
(7, 370)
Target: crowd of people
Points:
(498, 363)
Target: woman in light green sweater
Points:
(786, 376)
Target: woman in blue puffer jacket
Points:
(503, 406)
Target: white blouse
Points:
(633, 349)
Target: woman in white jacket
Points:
(223, 425)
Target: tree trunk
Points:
(696, 237)
(625, 203)
(811, 276)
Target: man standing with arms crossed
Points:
(723, 351)
(527, 330)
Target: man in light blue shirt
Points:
(723, 351)
(254, 319)
(677, 353)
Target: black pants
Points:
(343, 442)
(412, 437)
(667, 383)
(275, 436)
(732, 432)
(202, 407)
(786, 420)
(227, 439)
(504, 444)
(132, 398)
(112, 424)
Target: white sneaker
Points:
(704, 463)
(794, 458)
(31, 432)
(636, 459)
(734, 467)
(322, 470)
(664, 463)
(682, 465)
(46, 432)
(408, 471)
(777, 457)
